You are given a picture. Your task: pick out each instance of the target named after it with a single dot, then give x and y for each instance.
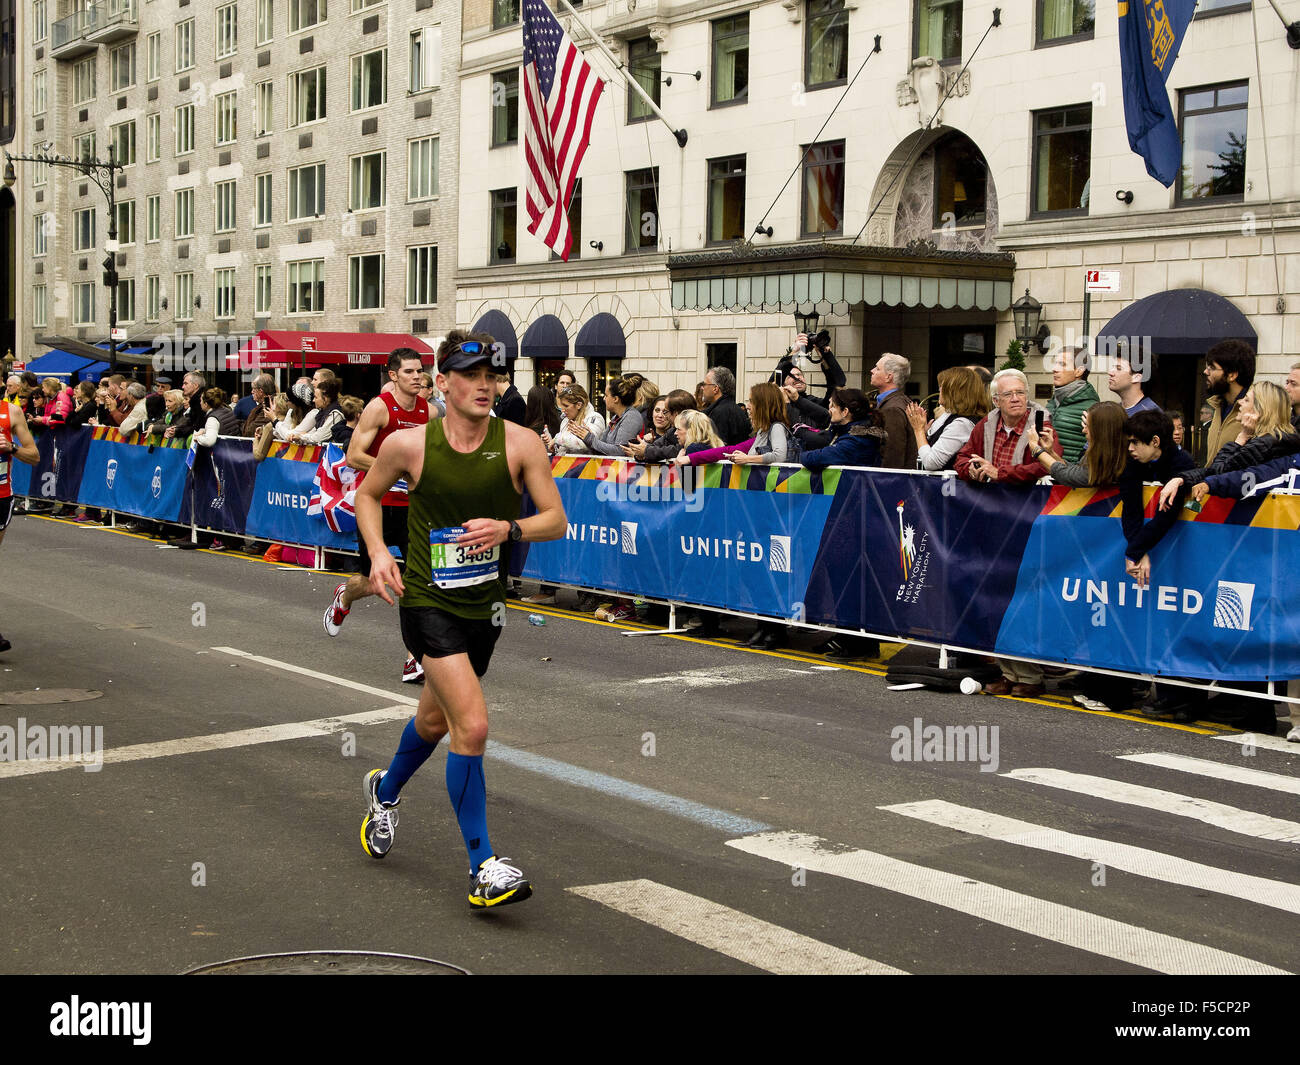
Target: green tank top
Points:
(454, 488)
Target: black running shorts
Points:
(426, 630)
(394, 536)
(7, 506)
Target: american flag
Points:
(560, 92)
(334, 494)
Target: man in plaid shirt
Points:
(997, 450)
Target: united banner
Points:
(281, 496)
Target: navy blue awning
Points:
(498, 327)
(601, 337)
(58, 363)
(1179, 321)
(546, 338)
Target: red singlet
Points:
(398, 418)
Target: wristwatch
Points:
(516, 533)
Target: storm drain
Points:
(46, 696)
(329, 963)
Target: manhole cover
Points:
(329, 963)
(39, 696)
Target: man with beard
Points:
(1229, 371)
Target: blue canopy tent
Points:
(60, 363)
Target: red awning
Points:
(277, 349)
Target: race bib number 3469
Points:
(452, 566)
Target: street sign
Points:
(117, 334)
(1101, 281)
(308, 343)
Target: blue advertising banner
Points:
(278, 508)
(63, 458)
(223, 486)
(148, 481)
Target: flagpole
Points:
(1292, 29)
(680, 134)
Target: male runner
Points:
(400, 407)
(13, 427)
(466, 473)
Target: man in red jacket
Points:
(997, 450)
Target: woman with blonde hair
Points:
(577, 410)
(696, 432)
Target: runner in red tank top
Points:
(15, 443)
(400, 408)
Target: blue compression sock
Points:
(412, 752)
(468, 796)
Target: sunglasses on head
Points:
(474, 347)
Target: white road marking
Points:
(1137, 860)
(328, 678)
(1268, 743)
(706, 678)
(1231, 818)
(737, 935)
(1011, 909)
(1206, 768)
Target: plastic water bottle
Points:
(536, 619)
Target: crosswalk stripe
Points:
(1137, 860)
(1268, 743)
(1231, 818)
(1206, 768)
(1038, 917)
(737, 935)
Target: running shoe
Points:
(381, 820)
(497, 884)
(335, 612)
(1291, 737)
(412, 672)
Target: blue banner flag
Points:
(1150, 34)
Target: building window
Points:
(125, 300)
(726, 199)
(125, 222)
(504, 13)
(223, 288)
(184, 213)
(38, 307)
(1220, 7)
(642, 233)
(227, 30)
(265, 118)
(366, 283)
(262, 200)
(306, 287)
(722, 354)
(40, 21)
(505, 107)
(361, 5)
(306, 191)
(826, 44)
(154, 53)
(39, 99)
(40, 234)
(504, 205)
(83, 146)
(731, 60)
(183, 297)
(40, 174)
(262, 290)
(575, 223)
(83, 80)
(938, 30)
(227, 121)
(1062, 159)
(369, 176)
(153, 137)
(184, 45)
(184, 129)
(153, 218)
(370, 79)
(1213, 126)
(307, 96)
(303, 14)
(643, 63)
(152, 297)
(122, 138)
(823, 189)
(265, 21)
(121, 67)
(1060, 21)
(426, 58)
(225, 206)
(422, 169)
(83, 304)
(83, 229)
(422, 276)
(960, 183)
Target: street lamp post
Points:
(103, 174)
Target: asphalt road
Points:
(681, 806)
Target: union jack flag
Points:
(334, 491)
(560, 92)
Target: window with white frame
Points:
(121, 67)
(184, 45)
(306, 96)
(227, 117)
(184, 216)
(422, 276)
(262, 290)
(184, 126)
(40, 101)
(306, 191)
(40, 21)
(361, 5)
(227, 30)
(225, 206)
(83, 146)
(125, 222)
(223, 287)
(303, 14)
(38, 307)
(368, 173)
(83, 229)
(366, 282)
(83, 80)
(153, 218)
(183, 297)
(305, 288)
(40, 173)
(152, 137)
(122, 138)
(125, 300)
(83, 303)
(262, 200)
(422, 169)
(152, 297)
(265, 21)
(370, 79)
(153, 51)
(265, 118)
(40, 234)
(425, 58)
